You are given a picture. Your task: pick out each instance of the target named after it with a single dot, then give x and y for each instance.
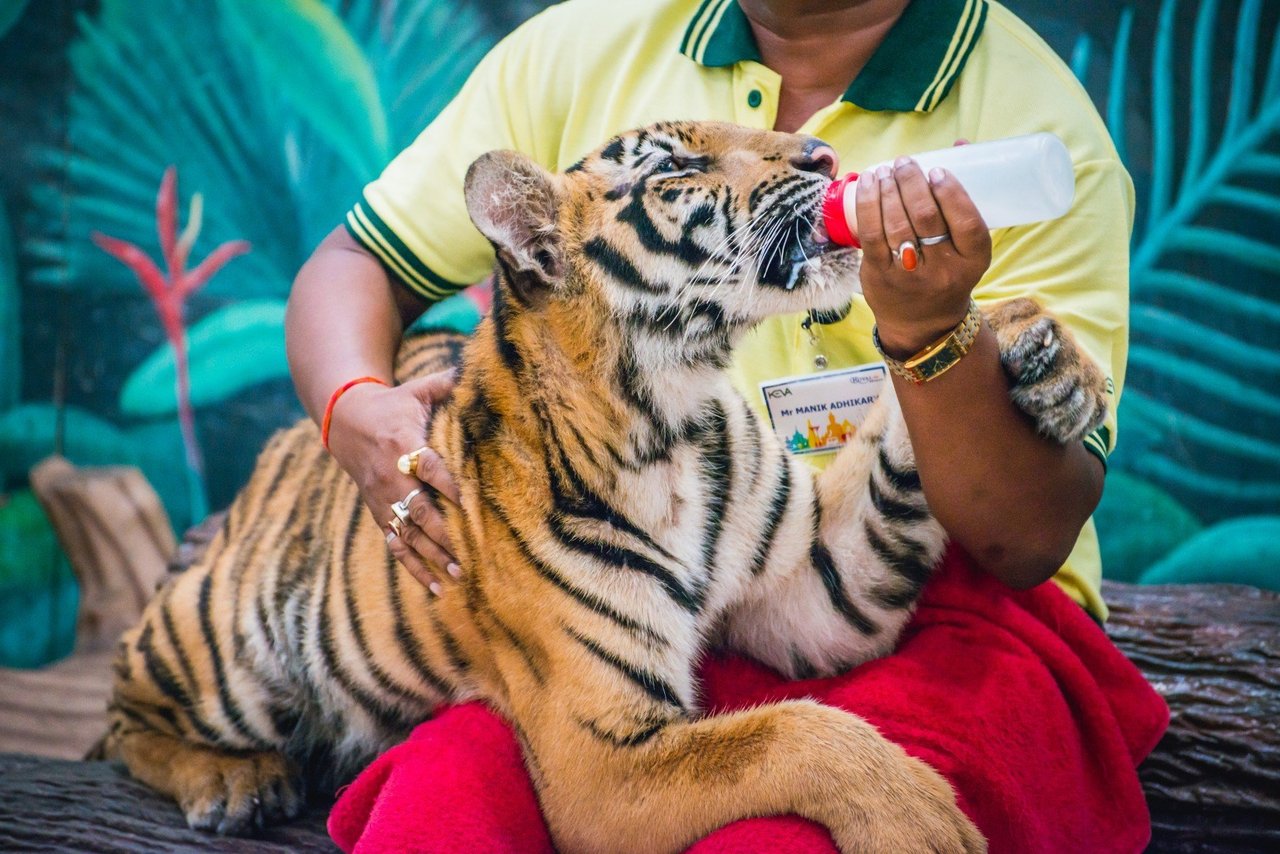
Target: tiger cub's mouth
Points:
(799, 242)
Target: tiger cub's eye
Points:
(669, 164)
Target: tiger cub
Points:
(622, 505)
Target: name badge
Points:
(820, 413)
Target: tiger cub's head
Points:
(686, 231)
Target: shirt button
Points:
(754, 98)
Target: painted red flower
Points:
(169, 290)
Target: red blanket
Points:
(1018, 698)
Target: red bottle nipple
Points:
(833, 212)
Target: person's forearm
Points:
(344, 320)
(1013, 499)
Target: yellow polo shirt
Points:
(582, 71)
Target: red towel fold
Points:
(1018, 698)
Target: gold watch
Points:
(937, 358)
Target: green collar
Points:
(912, 70)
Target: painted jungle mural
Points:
(169, 166)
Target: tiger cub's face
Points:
(703, 227)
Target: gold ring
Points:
(408, 463)
(401, 507)
(394, 525)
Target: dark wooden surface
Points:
(1213, 783)
(1213, 653)
(50, 805)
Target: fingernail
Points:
(454, 570)
(883, 173)
(909, 257)
(936, 174)
(434, 587)
(901, 161)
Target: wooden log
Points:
(196, 540)
(1213, 653)
(59, 710)
(52, 805)
(1213, 782)
(117, 537)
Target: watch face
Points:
(938, 363)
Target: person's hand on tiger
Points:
(925, 247)
(372, 427)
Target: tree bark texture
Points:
(117, 536)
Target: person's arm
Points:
(344, 320)
(1013, 499)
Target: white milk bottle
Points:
(1012, 181)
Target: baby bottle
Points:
(1011, 181)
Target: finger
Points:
(433, 388)
(969, 234)
(427, 551)
(917, 198)
(431, 470)
(897, 225)
(427, 516)
(870, 223)
(410, 560)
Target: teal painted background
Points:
(274, 114)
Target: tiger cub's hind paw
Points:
(237, 794)
(1054, 381)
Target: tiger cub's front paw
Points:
(237, 794)
(1054, 381)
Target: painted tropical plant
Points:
(279, 112)
(1200, 418)
(169, 292)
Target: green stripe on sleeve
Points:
(1093, 449)
(1098, 443)
(373, 233)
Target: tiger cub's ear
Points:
(514, 201)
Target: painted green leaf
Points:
(304, 48)
(10, 345)
(28, 431)
(38, 592)
(1138, 524)
(1200, 417)
(458, 313)
(1238, 551)
(10, 12)
(421, 52)
(229, 350)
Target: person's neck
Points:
(818, 47)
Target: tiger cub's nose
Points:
(817, 157)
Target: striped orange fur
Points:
(622, 508)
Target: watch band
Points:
(937, 358)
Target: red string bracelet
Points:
(328, 410)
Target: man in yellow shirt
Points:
(873, 78)
(942, 70)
